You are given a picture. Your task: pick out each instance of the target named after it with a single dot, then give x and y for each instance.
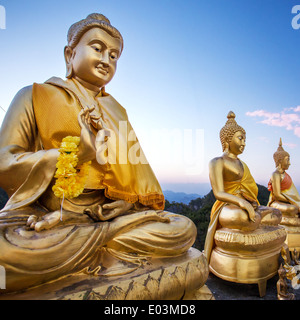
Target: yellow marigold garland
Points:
(70, 177)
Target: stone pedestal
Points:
(247, 257)
(175, 278)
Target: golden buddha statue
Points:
(282, 287)
(285, 197)
(50, 228)
(244, 240)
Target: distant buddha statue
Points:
(78, 198)
(282, 287)
(285, 197)
(242, 233)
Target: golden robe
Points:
(38, 118)
(246, 187)
(40, 122)
(288, 190)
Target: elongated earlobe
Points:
(68, 52)
(226, 149)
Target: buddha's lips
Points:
(101, 70)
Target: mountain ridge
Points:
(182, 197)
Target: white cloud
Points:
(284, 119)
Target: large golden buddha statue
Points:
(244, 240)
(82, 197)
(285, 197)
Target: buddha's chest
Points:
(233, 170)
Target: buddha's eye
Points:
(114, 56)
(242, 138)
(97, 47)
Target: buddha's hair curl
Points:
(94, 20)
(230, 128)
(280, 154)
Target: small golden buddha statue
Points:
(243, 236)
(285, 197)
(71, 209)
(282, 287)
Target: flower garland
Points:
(70, 177)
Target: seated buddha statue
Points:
(78, 198)
(243, 235)
(285, 197)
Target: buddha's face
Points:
(94, 59)
(237, 143)
(285, 164)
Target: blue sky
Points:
(185, 64)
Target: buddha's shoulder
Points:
(223, 161)
(276, 175)
(218, 159)
(22, 99)
(25, 92)
(217, 162)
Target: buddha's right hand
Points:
(87, 148)
(244, 204)
(48, 221)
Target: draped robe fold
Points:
(245, 187)
(288, 190)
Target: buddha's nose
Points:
(105, 59)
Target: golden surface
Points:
(282, 287)
(181, 277)
(117, 220)
(244, 240)
(285, 197)
(262, 239)
(250, 257)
